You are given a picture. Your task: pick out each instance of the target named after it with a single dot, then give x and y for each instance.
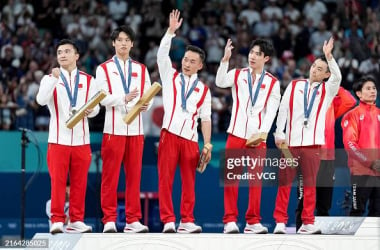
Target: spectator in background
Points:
(282, 41)
(265, 27)
(118, 9)
(318, 37)
(197, 34)
(370, 65)
(6, 111)
(291, 12)
(349, 67)
(133, 19)
(315, 10)
(150, 59)
(272, 11)
(250, 13)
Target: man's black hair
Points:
(358, 86)
(67, 41)
(123, 28)
(324, 59)
(266, 46)
(197, 50)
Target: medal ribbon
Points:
(72, 98)
(125, 85)
(183, 96)
(250, 86)
(307, 108)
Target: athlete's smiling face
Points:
(191, 63)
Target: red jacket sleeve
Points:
(351, 133)
(343, 102)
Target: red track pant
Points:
(308, 159)
(117, 149)
(172, 151)
(75, 161)
(252, 215)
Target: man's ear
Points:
(200, 66)
(327, 75)
(266, 59)
(358, 94)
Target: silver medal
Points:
(72, 112)
(305, 123)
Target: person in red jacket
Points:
(361, 138)
(341, 103)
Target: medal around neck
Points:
(305, 123)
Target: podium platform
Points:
(366, 235)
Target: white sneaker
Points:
(231, 228)
(280, 228)
(255, 229)
(169, 228)
(135, 227)
(78, 227)
(309, 229)
(110, 227)
(56, 227)
(188, 227)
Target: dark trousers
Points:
(365, 189)
(325, 186)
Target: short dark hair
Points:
(324, 59)
(123, 28)
(265, 45)
(67, 41)
(197, 50)
(358, 86)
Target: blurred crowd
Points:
(29, 31)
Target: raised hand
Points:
(174, 21)
(328, 47)
(228, 50)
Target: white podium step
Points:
(367, 237)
